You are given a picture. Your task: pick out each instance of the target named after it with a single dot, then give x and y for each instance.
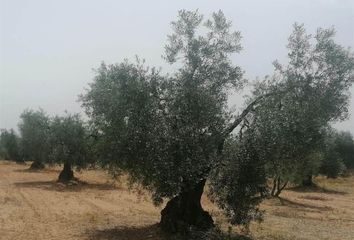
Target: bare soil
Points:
(34, 206)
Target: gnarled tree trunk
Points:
(185, 211)
(36, 165)
(67, 173)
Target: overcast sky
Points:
(49, 48)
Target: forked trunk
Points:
(278, 187)
(67, 173)
(36, 165)
(185, 211)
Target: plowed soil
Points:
(34, 206)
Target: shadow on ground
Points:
(316, 189)
(74, 186)
(45, 170)
(153, 232)
(293, 204)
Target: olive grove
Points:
(175, 133)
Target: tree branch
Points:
(244, 113)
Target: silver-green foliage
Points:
(337, 150)
(344, 145)
(34, 130)
(168, 131)
(10, 145)
(238, 184)
(313, 92)
(69, 141)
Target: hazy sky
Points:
(49, 48)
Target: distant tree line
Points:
(57, 140)
(175, 133)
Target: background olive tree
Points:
(338, 153)
(69, 144)
(344, 145)
(35, 133)
(10, 146)
(314, 92)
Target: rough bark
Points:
(66, 174)
(36, 165)
(185, 211)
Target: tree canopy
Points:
(10, 145)
(35, 132)
(69, 144)
(344, 145)
(338, 153)
(313, 92)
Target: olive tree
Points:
(314, 88)
(344, 145)
(338, 150)
(69, 144)
(10, 145)
(169, 131)
(34, 130)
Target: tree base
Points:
(332, 176)
(37, 166)
(184, 213)
(177, 219)
(66, 175)
(308, 181)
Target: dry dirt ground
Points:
(34, 206)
